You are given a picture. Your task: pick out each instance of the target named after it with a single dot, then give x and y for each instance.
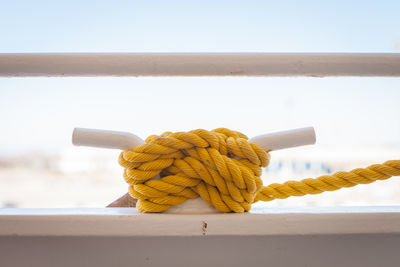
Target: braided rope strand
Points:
(222, 168)
(332, 182)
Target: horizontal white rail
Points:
(260, 222)
(201, 64)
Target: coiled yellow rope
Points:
(224, 169)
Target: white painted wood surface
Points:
(344, 250)
(259, 222)
(201, 64)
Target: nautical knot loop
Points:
(220, 166)
(224, 169)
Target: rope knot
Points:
(220, 166)
(224, 169)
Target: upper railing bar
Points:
(201, 64)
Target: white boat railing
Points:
(339, 236)
(201, 64)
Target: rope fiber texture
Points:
(222, 168)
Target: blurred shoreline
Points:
(77, 177)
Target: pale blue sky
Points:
(141, 26)
(39, 113)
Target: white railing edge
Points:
(200, 64)
(261, 222)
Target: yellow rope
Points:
(224, 169)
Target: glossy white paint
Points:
(192, 206)
(285, 139)
(259, 222)
(105, 139)
(201, 64)
(123, 140)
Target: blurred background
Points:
(357, 120)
